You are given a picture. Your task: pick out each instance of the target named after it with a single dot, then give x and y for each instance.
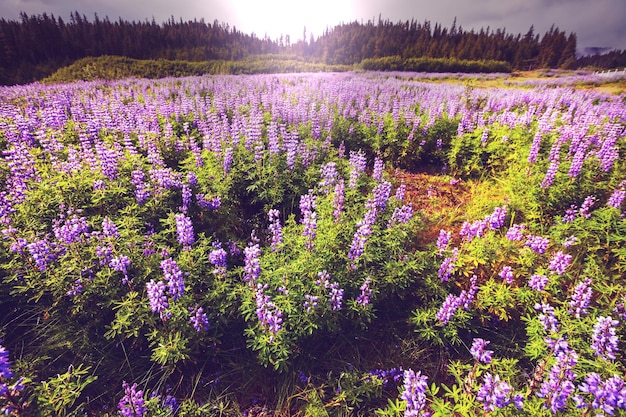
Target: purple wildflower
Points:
(448, 308)
(269, 315)
(184, 230)
(309, 218)
(515, 232)
(174, 277)
(275, 228)
(447, 266)
(109, 229)
(132, 403)
(414, 393)
(538, 282)
(366, 293)
(121, 263)
(329, 177)
(538, 244)
(607, 395)
(217, 257)
(547, 317)
(586, 206)
(401, 215)
(479, 352)
(156, 298)
(559, 263)
(559, 384)
(581, 298)
(379, 165)
(506, 273)
(494, 394)
(198, 319)
(604, 339)
(443, 240)
(252, 266)
(617, 198)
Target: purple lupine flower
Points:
(358, 163)
(472, 230)
(401, 191)
(559, 263)
(217, 257)
(414, 393)
(538, 282)
(497, 218)
(515, 232)
(76, 288)
(604, 340)
(121, 264)
(142, 193)
(157, 298)
(494, 394)
(581, 298)
(570, 241)
(448, 308)
(5, 363)
(174, 277)
(617, 198)
(559, 385)
(570, 214)
(366, 292)
(401, 215)
(275, 228)
(443, 240)
(309, 218)
(338, 199)
(269, 315)
(310, 302)
(364, 230)
(447, 266)
(132, 403)
(68, 230)
(336, 296)
(586, 206)
(607, 395)
(41, 252)
(379, 165)
(252, 265)
(479, 352)
(212, 204)
(466, 297)
(228, 160)
(381, 193)
(329, 177)
(538, 244)
(506, 273)
(105, 253)
(109, 229)
(547, 317)
(186, 198)
(198, 318)
(184, 230)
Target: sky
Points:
(597, 23)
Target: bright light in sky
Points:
(289, 17)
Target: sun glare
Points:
(289, 17)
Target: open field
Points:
(328, 244)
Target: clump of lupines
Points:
(606, 396)
(338, 199)
(506, 273)
(617, 198)
(217, 257)
(252, 265)
(559, 262)
(358, 163)
(157, 298)
(559, 385)
(495, 393)
(443, 240)
(364, 297)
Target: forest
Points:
(37, 45)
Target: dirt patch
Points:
(438, 201)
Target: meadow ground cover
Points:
(312, 244)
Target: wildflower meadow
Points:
(329, 244)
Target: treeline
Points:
(38, 45)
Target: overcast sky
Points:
(597, 23)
